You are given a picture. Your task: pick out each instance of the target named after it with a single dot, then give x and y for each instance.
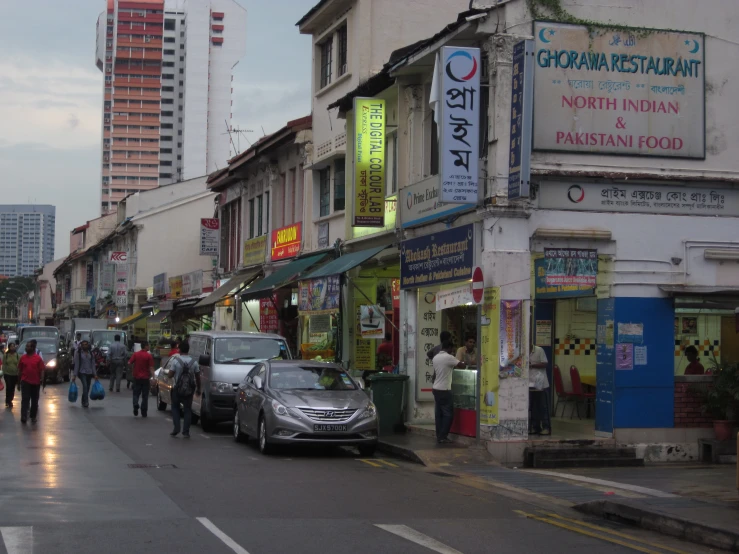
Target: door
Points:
(241, 405)
(729, 341)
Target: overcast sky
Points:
(51, 94)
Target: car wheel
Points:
(264, 446)
(206, 423)
(161, 406)
(239, 436)
(367, 450)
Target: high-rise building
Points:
(26, 238)
(167, 90)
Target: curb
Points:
(661, 522)
(400, 452)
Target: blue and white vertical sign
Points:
(460, 124)
(522, 101)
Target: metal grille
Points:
(332, 416)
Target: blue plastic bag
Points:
(97, 392)
(72, 396)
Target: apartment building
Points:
(26, 238)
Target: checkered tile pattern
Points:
(574, 347)
(706, 347)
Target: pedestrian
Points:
(186, 383)
(694, 366)
(141, 364)
(10, 372)
(468, 352)
(443, 337)
(174, 347)
(444, 364)
(538, 392)
(84, 368)
(116, 358)
(31, 371)
(384, 353)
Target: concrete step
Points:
(582, 456)
(591, 452)
(588, 462)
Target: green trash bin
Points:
(387, 391)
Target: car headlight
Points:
(369, 411)
(51, 363)
(216, 386)
(281, 410)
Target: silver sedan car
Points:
(299, 402)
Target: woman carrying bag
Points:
(84, 368)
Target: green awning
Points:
(344, 263)
(280, 278)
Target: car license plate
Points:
(328, 428)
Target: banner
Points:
(255, 251)
(522, 103)
(460, 124)
(442, 257)
(175, 287)
(107, 284)
(511, 338)
(372, 322)
(89, 280)
(571, 267)
(209, 236)
(160, 284)
(395, 288)
(490, 356)
(286, 241)
(319, 296)
(369, 163)
(192, 283)
(543, 291)
(451, 298)
(269, 319)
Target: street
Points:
(101, 480)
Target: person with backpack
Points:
(186, 374)
(142, 363)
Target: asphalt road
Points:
(76, 483)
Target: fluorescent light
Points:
(592, 234)
(721, 254)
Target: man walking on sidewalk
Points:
(143, 369)
(31, 371)
(117, 358)
(10, 372)
(186, 373)
(444, 364)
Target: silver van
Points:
(226, 357)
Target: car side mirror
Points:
(204, 359)
(360, 383)
(258, 383)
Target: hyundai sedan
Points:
(304, 402)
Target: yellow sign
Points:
(255, 251)
(489, 352)
(175, 287)
(369, 162)
(391, 212)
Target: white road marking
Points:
(18, 540)
(419, 538)
(225, 539)
(604, 483)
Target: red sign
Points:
(395, 288)
(286, 241)
(118, 257)
(269, 319)
(210, 223)
(477, 285)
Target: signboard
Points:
(121, 286)
(192, 283)
(319, 296)
(395, 289)
(489, 356)
(460, 124)
(107, 285)
(255, 251)
(269, 319)
(511, 338)
(89, 280)
(160, 284)
(635, 198)
(286, 241)
(543, 332)
(175, 287)
(391, 212)
(443, 257)
(522, 103)
(118, 257)
(372, 322)
(323, 235)
(571, 267)
(478, 284)
(451, 298)
(209, 236)
(369, 162)
(614, 92)
(429, 328)
(543, 291)
(420, 203)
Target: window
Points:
(162, 162)
(165, 139)
(171, 52)
(324, 191)
(167, 114)
(266, 217)
(167, 101)
(342, 40)
(434, 167)
(181, 94)
(327, 50)
(167, 64)
(169, 25)
(391, 161)
(167, 76)
(169, 39)
(260, 214)
(167, 89)
(165, 175)
(166, 125)
(182, 71)
(339, 183)
(165, 151)
(251, 218)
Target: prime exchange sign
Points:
(614, 92)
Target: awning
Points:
(188, 303)
(130, 319)
(233, 283)
(283, 276)
(158, 317)
(344, 263)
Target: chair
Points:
(562, 395)
(580, 397)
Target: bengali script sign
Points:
(286, 241)
(571, 267)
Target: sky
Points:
(51, 97)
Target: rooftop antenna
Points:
(263, 131)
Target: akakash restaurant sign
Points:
(616, 92)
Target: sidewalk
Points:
(697, 503)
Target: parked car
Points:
(56, 372)
(225, 358)
(299, 402)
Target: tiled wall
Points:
(574, 340)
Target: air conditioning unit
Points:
(147, 39)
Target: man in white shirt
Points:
(538, 390)
(444, 364)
